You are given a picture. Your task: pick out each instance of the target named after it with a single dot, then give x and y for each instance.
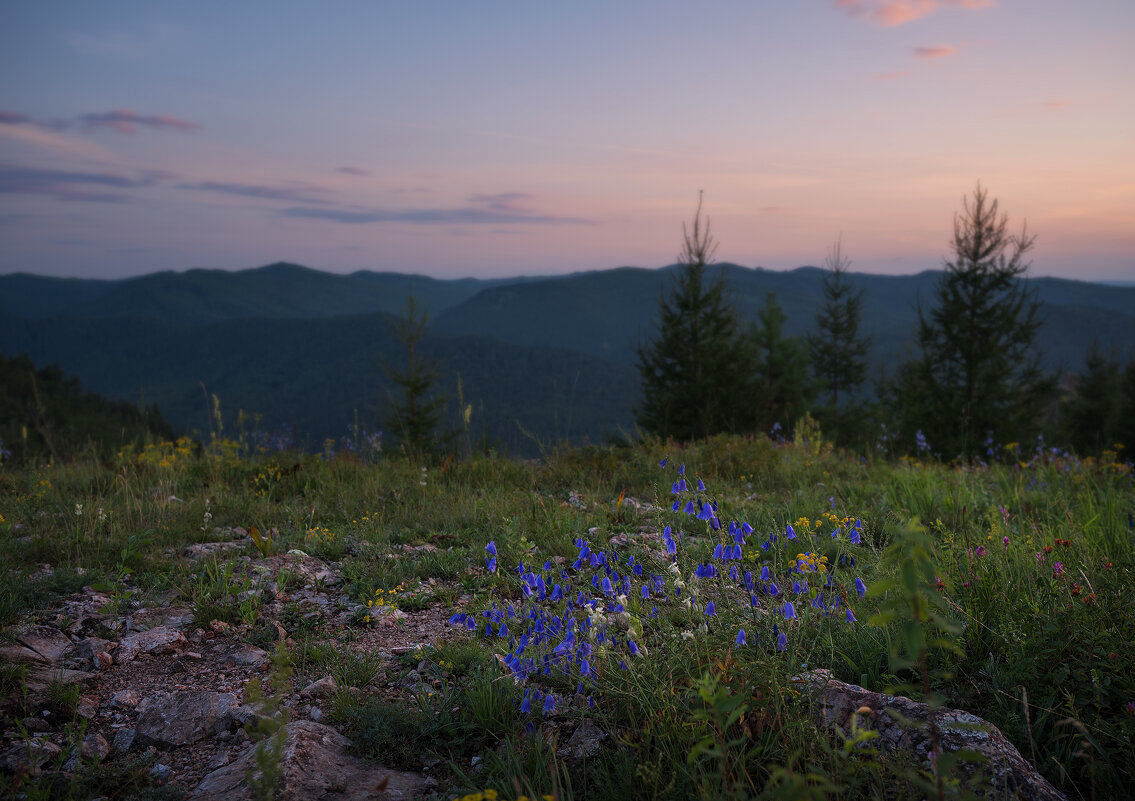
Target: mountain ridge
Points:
(305, 347)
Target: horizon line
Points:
(527, 276)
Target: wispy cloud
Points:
(13, 118)
(900, 12)
(892, 76)
(148, 40)
(359, 171)
(72, 184)
(289, 194)
(124, 121)
(46, 137)
(498, 209)
(937, 51)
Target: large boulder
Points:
(314, 766)
(903, 724)
(172, 719)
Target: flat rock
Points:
(126, 699)
(45, 677)
(49, 643)
(903, 724)
(304, 567)
(315, 766)
(247, 655)
(167, 720)
(200, 549)
(174, 617)
(91, 647)
(14, 652)
(158, 640)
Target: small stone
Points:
(94, 747)
(122, 741)
(29, 754)
(91, 647)
(126, 699)
(87, 708)
(162, 773)
(320, 688)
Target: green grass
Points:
(1033, 563)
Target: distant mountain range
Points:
(550, 358)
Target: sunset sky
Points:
(499, 139)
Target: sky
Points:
(498, 139)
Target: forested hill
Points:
(553, 357)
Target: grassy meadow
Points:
(667, 594)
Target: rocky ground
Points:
(105, 679)
(152, 681)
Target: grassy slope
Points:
(1061, 635)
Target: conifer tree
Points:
(415, 416)
(1093, 415)
(695, 371)
(783, 391)
(978, 372)
(1126, 430)
(839, 353)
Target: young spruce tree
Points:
(696, 370)
(783, 390)
(978, 371)
(415, 416)
(839, 353)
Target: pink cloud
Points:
(939, 51)
(899, 12)
(124, 121)
(892, 76)
(1056, 104)
(353, 171)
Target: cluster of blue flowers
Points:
(587, 619)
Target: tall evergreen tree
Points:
(783, 390)
(839, 353)
(978, 372)
(695, 370)
(415, 416)
(1094, 414)
(1126, 428)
